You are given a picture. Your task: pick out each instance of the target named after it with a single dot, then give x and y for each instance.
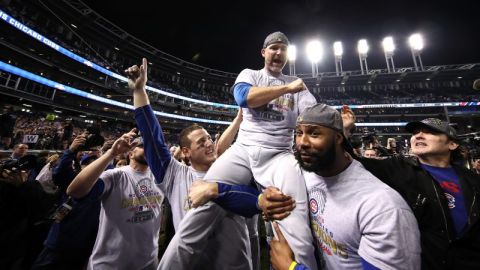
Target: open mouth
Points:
(420, 144)
(277, 61)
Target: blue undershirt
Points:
(240, 93)
(448, 179)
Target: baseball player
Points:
(271, 102)
(229, 247)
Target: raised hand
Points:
(137, 76)
(201, 192)
(78, 141)
(348, 119)
(124, 143)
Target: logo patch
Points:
(451, 200)
(313, 206)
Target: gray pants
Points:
(237, 166)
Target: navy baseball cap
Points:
(434, 124)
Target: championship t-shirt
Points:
(355, 216)
(272, 125)
(130, 220)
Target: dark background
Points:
(228, 35)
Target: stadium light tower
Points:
(362, 48)
(338, 52)
(388, 48)
(292, 56)
(314, 53)
(416, 46)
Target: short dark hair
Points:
(184, 141)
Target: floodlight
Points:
(388, 45)
(416, 42)
(362, 46)
(314, 51)
(292, 53)
(337, 48)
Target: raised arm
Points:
(228, 135)
(348, 119)
(86, 179)
(157, 153)
(137, 79)
(63, 173)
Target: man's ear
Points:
(263, 52)
(339, 138)
(452, 145)
(186, 152)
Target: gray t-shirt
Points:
(176, 183)
(354, 215)
(272, 125)
(130, 221)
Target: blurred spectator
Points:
(121, 163)
(476, 165)
(22, 204)
(7, 123)
(19, 151)
(45, 175)
(71, 237)
(370, 153)
(391, 146)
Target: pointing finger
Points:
(145, 65)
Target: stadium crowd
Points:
(121, 197)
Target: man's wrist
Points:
(110, 154)
(213, 194)
(140, 89)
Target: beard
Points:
(140, 159)
(319, 161)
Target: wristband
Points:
(258, 201)
(292, 265)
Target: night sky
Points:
(228, 35)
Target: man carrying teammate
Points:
(271, 102)
(229, 247)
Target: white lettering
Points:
(30, 139)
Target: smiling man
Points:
(358, 221)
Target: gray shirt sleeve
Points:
(246, 76)
(390, 239)
(108, 178)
